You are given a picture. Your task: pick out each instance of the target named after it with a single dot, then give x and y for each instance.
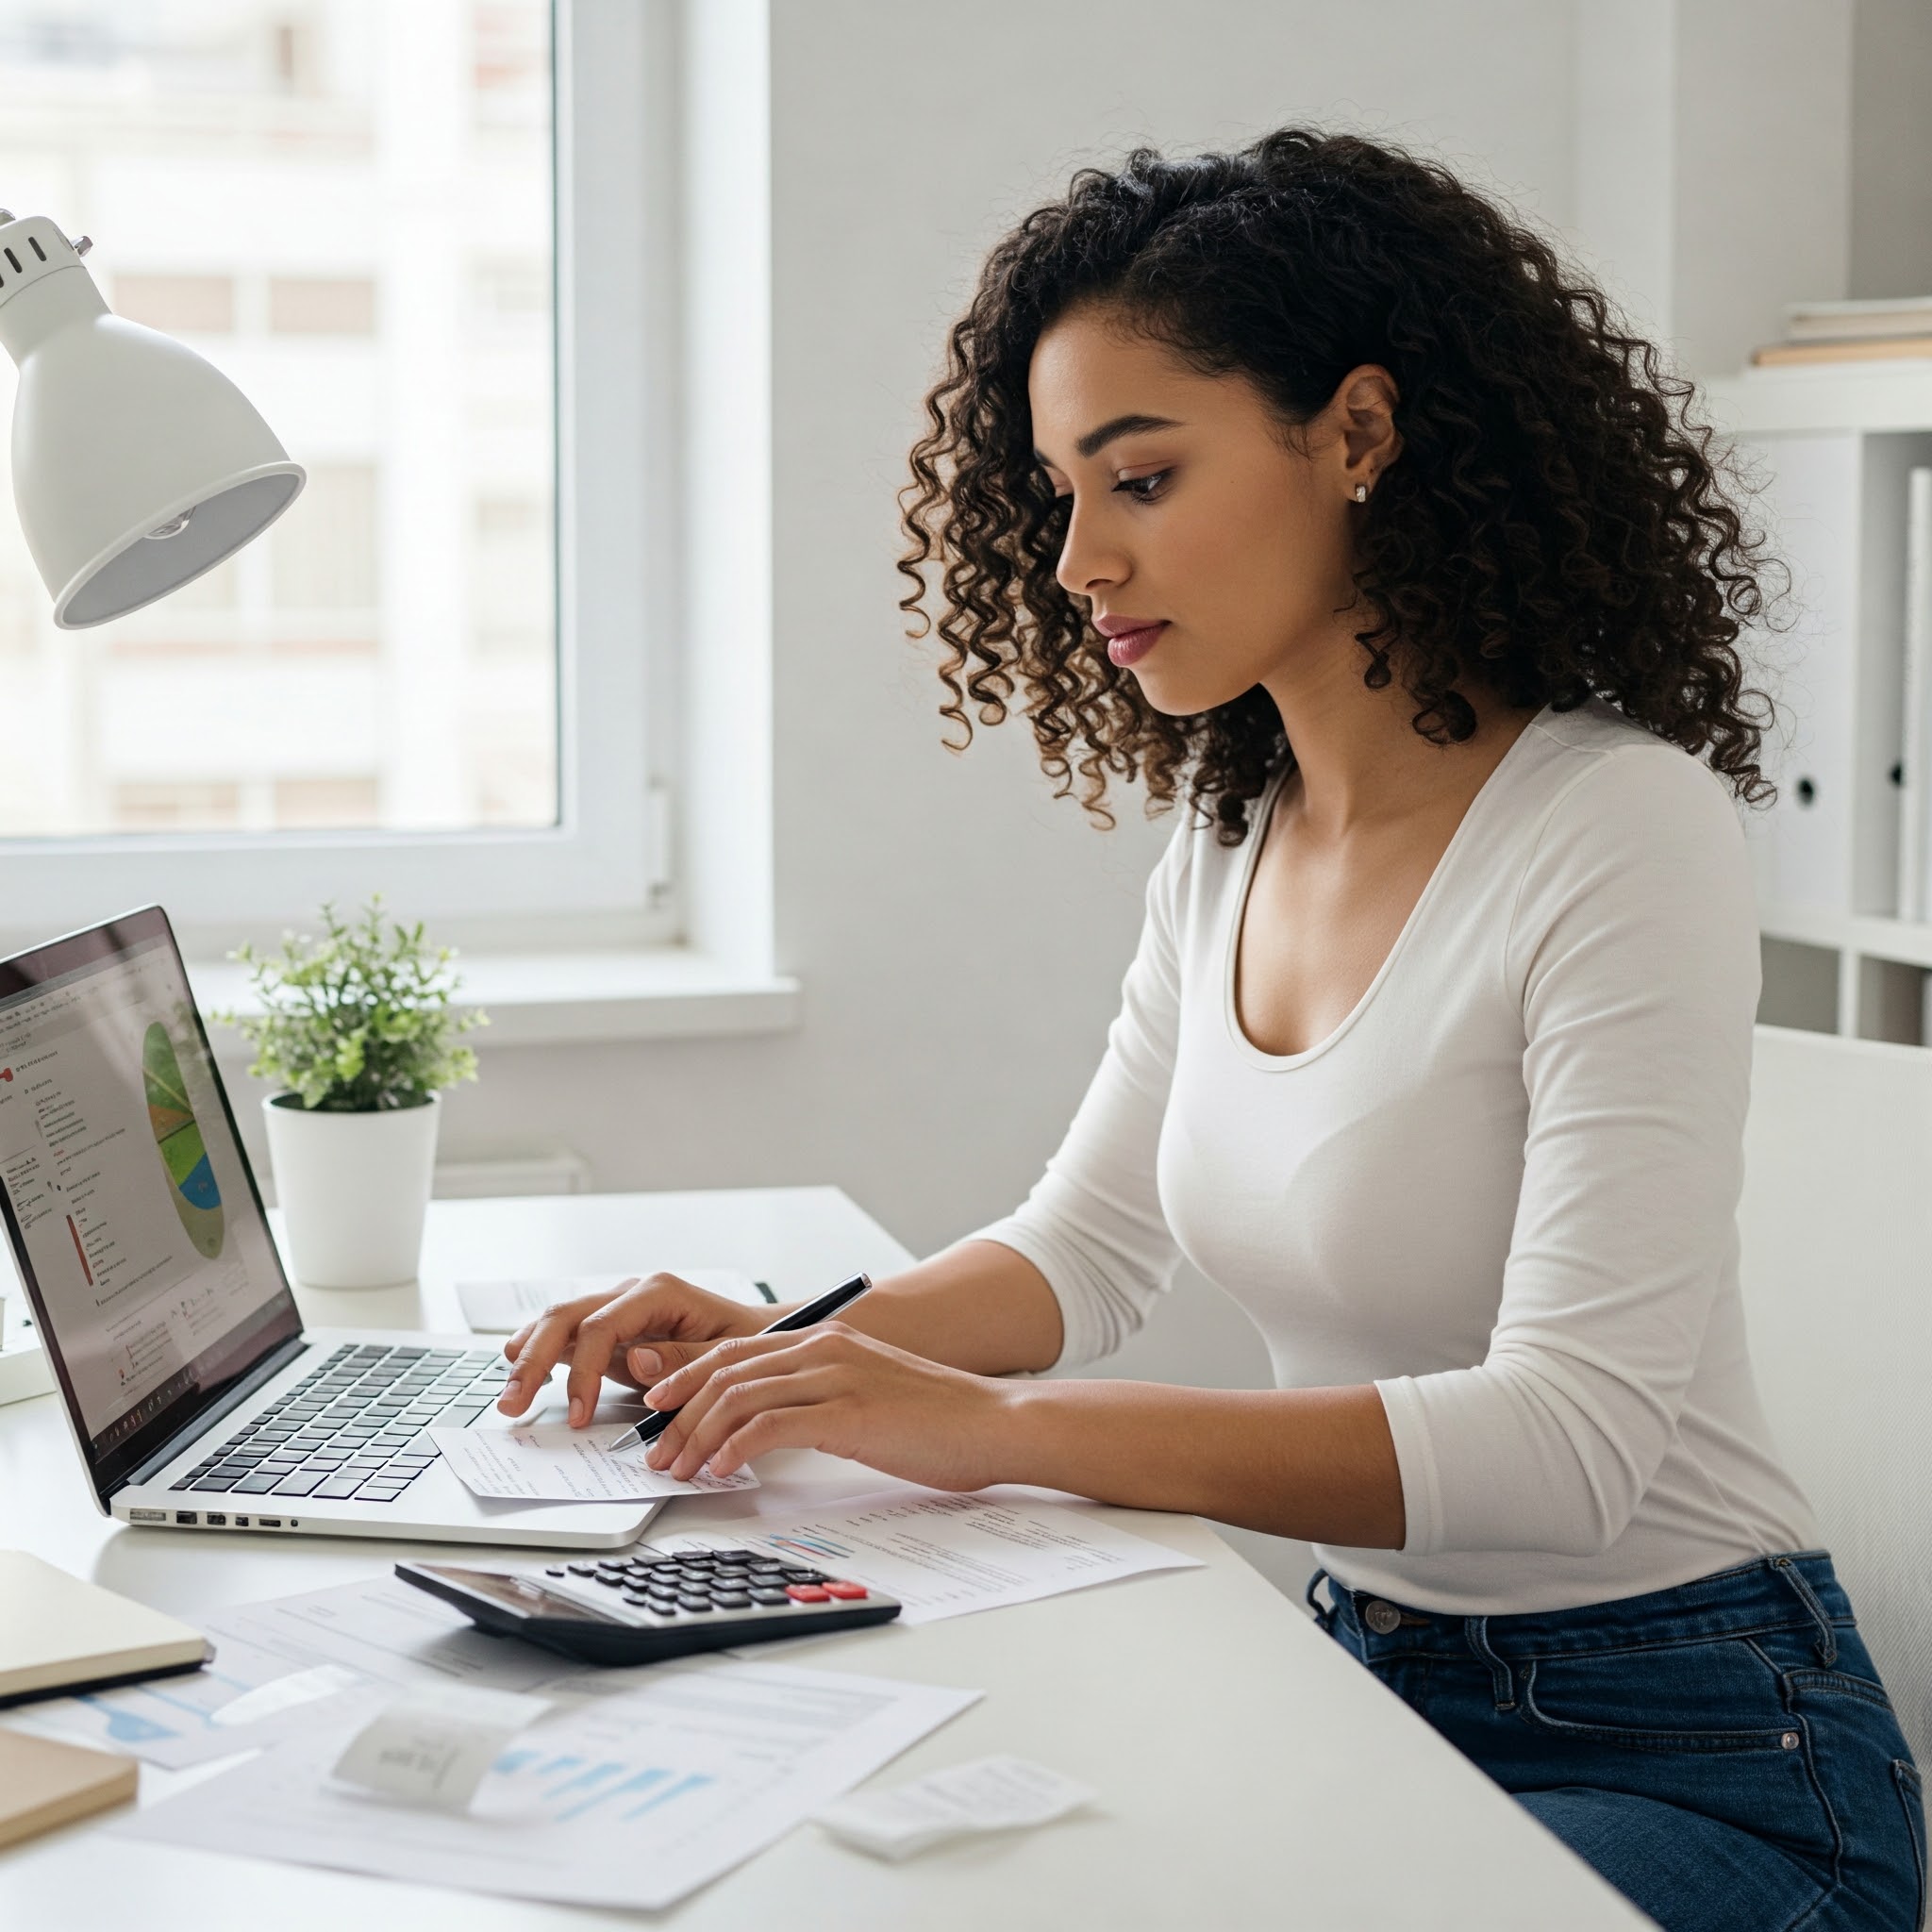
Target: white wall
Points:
(960, 935)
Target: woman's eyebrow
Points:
(1097, 440)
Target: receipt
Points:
(552, 1462)
(433, 1746)
(989, 1795)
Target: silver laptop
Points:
(196, 1398)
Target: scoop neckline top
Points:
(1287, 1062)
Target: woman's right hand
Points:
(639, 1333)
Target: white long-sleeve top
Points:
(1503, 1191)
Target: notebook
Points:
(44, 1784)
(59, 1633)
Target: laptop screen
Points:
(132, 1211)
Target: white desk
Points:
(1251, 1775)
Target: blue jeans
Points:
(1723, 1752)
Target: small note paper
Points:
(989, 1795)
(433, 1746)
(552, 1462)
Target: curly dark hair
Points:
(1551, 529)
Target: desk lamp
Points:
(137, 465)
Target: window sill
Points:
(561, 998)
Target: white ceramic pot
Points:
(353, 1190)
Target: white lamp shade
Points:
(137, 464)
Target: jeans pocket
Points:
(1697, 1697)
(1700, 1727)
(1839, 1684)
(1910, 1787)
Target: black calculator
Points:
(655, 1604)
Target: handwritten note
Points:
(552, 1462)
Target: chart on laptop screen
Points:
(126, 1183)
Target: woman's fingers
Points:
(735, 1399)
(771, 1428)
(701, 1383)
(537, 1348)
(684, 1381)
(603, 1332)
(693, 1390)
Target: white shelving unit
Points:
(1836, 446)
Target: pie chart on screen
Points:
(178, 1134)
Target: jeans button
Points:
(1790, 1741)
(1381, 1618)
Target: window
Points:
(365, 215)
(322, 305)
(176, 305)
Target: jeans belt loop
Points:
(1827, 1641)
(1326, 1619)
(1477, 1629)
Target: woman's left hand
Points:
(830, 1387)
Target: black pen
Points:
(823, 1309)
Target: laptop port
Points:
(186, 1516)
(241, 1523)
(268, 1522)
(216, 1520)
(147, 1516)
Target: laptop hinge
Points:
(264, 1371)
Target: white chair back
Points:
(1836, 1229)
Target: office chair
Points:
(1836, 1224)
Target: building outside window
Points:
(348, 208)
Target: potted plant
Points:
(357, 1032)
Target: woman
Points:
(1304, 480)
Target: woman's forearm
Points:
(1316, 1463)
(980, 1306)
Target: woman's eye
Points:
(1142, 488)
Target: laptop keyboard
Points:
(354, 1427)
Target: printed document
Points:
(631, 1800)
(275, 1662)
(552, 1462)
(942, 1554)
(499, 1307)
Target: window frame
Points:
(603, 873)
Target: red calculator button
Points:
(807, 1593)
(852, 1592)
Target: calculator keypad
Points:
(659, 1585)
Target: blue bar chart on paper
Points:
(570, 1789)
(635, 1788)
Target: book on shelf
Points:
(1878, 348)
(1891, 315)
(1882, 329)
(1915, 708)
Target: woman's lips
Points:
(1130, 646)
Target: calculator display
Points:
(522, 1594)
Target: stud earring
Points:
(1361, 492)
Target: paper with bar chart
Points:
(629, 1799)
(273, 1660)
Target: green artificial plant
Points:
(356, 1023)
